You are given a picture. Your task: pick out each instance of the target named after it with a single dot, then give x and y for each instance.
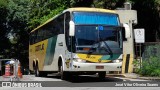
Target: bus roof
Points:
(77, 9)
(89, 10)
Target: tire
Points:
(36, 71)
(63, 74)
(102, 75)
(39, 73)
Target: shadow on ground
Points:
(87, 78)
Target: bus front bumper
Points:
(96, 66)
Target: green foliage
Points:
(3, 13)
(151, 61)
(108, 4)
(151, 67)
(3, 3)
(3, 18)
(136, 64)
(41, 11)
(14, 18)
(18, 8)
(81, 3)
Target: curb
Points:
(146, 78)
(134, 77)
(115, 75)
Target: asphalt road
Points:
(78, 79)
(78, 83)
(75, 81)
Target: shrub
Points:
(150, 67)
(150, 60)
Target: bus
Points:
(78, 41)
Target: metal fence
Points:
(151, 49)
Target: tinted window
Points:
(49, 30)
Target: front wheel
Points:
(62, 73)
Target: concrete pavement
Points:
(134, 76)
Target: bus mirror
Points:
(123, 34)
(71, 28)
(127, 30)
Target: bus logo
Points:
(6, 84)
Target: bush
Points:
(151, 60)
(150, 67)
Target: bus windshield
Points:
(94, 36)
(95, 30)
(89, 34)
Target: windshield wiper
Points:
(110, 51)
(107, 49)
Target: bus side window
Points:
(60, 24)
(49, 30)
(40, 35)
(36, 36)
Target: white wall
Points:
(129, 17)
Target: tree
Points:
(148, 18)
(108, 4)
(14, 18)
(17, 26)
(3, 39)
(42, 10)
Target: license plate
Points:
(99, 67)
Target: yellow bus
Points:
(77, 41)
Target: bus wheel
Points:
(62, 73)
(36, 71)
(39, 73)
(102, 75)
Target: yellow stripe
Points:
(124, 63)
(92, 58)
(90, 10)
(130, 69)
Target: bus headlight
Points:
(79, 60)
(117, 61)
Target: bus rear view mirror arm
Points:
(71, 28)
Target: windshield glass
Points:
(90, 34)
(96, 36)
(97, 33)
